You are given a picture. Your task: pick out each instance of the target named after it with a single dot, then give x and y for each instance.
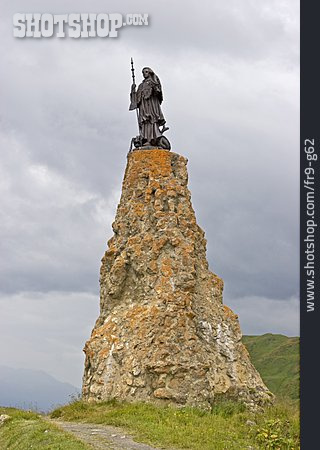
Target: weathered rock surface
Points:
(163, 334)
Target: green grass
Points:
(27, 430)
(276, 357)
(225, 427)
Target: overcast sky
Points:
(229, 72)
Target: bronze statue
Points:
(147, 100)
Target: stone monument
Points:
(163, 334)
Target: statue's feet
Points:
(164, 129)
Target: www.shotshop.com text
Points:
(311, 226)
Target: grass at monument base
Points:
(228, 426)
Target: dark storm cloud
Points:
(230, 80)
(67, 116)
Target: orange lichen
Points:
(229, 312)
(153, 266)
(139, 209)
(166, 267)
(158, 245)
(148, 164)
(140, 313)
(104, 330)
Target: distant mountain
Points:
(33, 389)
(276, 357)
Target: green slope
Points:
(28, 430)
(276, 357)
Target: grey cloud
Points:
(230, 79)
(258, 315)
(69, 116)
(47, 331)
(53, 231)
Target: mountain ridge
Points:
(33, 389)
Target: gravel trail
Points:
(102, 436)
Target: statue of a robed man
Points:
(147, 100)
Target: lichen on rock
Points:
(163, 334)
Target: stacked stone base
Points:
(163, 334)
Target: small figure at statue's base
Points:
(137, 143)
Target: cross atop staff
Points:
(132, 70)
(133, 95)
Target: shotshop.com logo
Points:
(76, 25)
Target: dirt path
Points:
(101, 436)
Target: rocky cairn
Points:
(163, 334)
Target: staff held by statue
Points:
(133, 104)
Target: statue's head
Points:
(147, 72)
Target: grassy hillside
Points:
(276, 357)
(27, 429)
